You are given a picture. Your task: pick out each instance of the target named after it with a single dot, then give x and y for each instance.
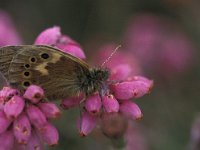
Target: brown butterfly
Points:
(61, 75)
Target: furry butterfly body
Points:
(61, 75)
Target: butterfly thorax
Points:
(94, 81)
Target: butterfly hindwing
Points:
(6, 56)
(57, 72)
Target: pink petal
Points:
(36, 116)
(86, 124)
(131, 110)
(49, 134)
(110, 104)
(49, 109)
(34, 93)
(14, 107)
(22, 129)
(49, 36)
(93, 104)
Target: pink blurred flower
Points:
(23, 116)
(134, 138)
(195, 134)
(159, 44)
(122, 63)
(53, 37)
(8, 32)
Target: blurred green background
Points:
(174, 103)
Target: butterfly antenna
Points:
(111, 55)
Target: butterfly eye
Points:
(45, 56)
(33, 59)
(26, 73)
(27, 66)
(26, 83)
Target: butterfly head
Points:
(95, 80)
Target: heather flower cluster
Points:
(25, 119)
(123, 88)
(123, 85)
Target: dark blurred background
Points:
(174, 103)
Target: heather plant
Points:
(26, 117)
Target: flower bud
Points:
(14, 107)
(4, 122)
(110, 104)
(93, 104)
(22, 129)
(130, 110)
(34, 142)
(7, 93)
(49, 134)
(132, 89)
(50, 110)
(86, 124)
(34, 94)
(71, 102)
(36, 116)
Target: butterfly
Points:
(60, 74)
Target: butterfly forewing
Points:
(57, 72)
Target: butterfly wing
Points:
(6, 56)
(56, 72)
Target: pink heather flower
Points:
(34, 142)
(53, 37)
(130, 110)
(93, 104)
(7, 140)
(120, 72)
(4, 122)
(14, 107)
(22, 129)
(6, 94)
(86, 123)
(134, 137)
(23, 116)
(34, 94)
(71, 102)
(9, 34)
(159, 44)
(36, 116)
(132, 89)
(49, 134)
(110, 104)
(49, 109)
